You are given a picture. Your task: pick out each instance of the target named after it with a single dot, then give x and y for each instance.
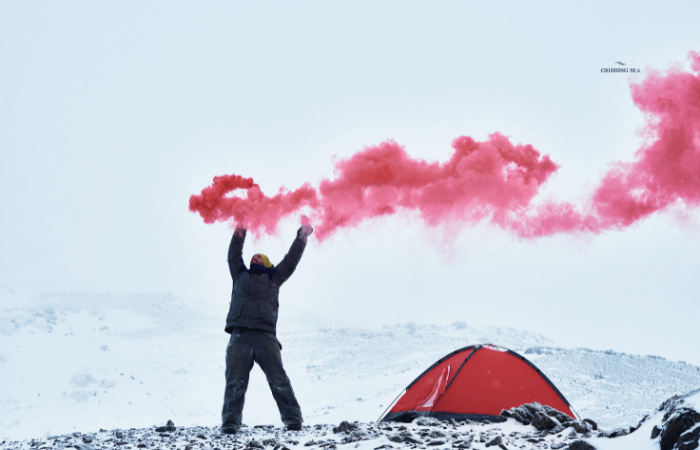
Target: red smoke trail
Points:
(492, 180)
(664, 171)
(256, 211)
(481, 179)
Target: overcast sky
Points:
(113, 113)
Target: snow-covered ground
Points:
(81, 363)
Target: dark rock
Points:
(310, 443)
(593, 425)
(87, 439)
(165, 429)
(254, 444)
(118, 434)
(532, 407)
(521, 415)
(655, 432)
(84, 447)
(556, 414)
(269, 442)
(495, 441)
(344, 427)
(434, 442)
(617, 432)
(428, 422)
(201, 436)
(672, 435)
(437, 434)
(581, 445)
(170, 423)
(546, 418)
(582, 427)
(543, 422)
(557, 429)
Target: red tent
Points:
(476, 382)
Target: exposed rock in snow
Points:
(544, 418)
(674, 425)
(581, 445)
(680, 423)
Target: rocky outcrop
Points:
(546, 418)
(678, 422)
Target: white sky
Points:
(113, 113)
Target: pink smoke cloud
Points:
(492, 180)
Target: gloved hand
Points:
(240, 230)
(304, 232)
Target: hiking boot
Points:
(294, 426)
(229, 430)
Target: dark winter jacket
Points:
(254, 299)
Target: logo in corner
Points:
(620, 69)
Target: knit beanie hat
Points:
(261, 259)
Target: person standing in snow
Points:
(251, 322)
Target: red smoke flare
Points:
(492, 180)
(256, 211)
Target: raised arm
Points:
(285, 269)
(235, 251)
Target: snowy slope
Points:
(79, 362)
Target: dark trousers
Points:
(245, 347)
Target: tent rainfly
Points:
(476, 383)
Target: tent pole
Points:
(390, 405)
